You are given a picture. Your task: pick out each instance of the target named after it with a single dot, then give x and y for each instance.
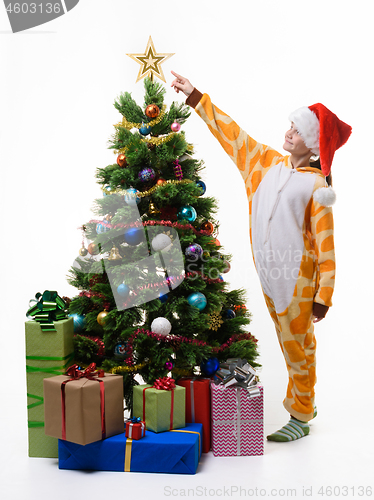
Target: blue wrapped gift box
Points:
(174, 452)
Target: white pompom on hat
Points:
(322, 131)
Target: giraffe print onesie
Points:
(292, 245)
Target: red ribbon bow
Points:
(165, 383)
(75, 373)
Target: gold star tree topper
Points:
(150, 62)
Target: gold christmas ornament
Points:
(101, 317)
(215, 320)
(152, 209)
(114, 254)
(83, 251)
(150, 62)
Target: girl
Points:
(291, 232)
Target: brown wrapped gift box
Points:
(82, 408)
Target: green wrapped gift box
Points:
(48, 353)
(161, 410)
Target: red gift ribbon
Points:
(165, 384)
(75, 373)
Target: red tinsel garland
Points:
(170, 279)
(98, 342)
(166, 223)
(175, 341)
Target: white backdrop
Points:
(259, 60)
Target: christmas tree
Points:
(152, 297)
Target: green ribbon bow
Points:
(49, 307)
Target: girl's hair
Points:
(315, 163)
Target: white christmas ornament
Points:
(161, 325)
(325, 196)
(161, 242)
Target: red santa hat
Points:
(322, 132)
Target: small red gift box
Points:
(135, 429)
(198, 405)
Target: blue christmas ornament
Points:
(79, 322)
(120, 350)
(132, 197)
(100, 228)
(230, 314)
(108, 189)
(195, 250)
(197, 299)
(147, 174)
(134, 236)
(202, 187)
(163, 298)
(145, 129)
(209, 366)
(188, 213)
(123, 290)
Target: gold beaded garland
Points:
(143, 194)
(130, 125)
(127, 369)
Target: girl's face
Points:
(294, 143)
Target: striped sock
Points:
(315, 412)
(295, 429)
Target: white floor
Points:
(338, 454)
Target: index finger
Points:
(178, 76)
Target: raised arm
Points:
(252, 158)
